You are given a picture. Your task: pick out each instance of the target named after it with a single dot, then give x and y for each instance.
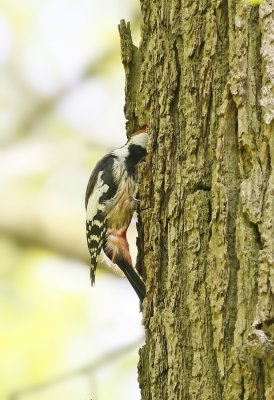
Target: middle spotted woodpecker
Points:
(110, 204)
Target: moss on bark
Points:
(202, 80)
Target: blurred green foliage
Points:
(61, 109)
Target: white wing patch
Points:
(93, 203)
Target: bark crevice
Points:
(204, 85)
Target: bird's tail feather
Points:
(133, 278)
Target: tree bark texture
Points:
(202, 80)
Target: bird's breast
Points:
(120, 208)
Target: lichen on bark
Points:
(202, 81)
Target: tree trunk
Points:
(203, 81)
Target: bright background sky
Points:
(61, 109)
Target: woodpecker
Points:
(111, 199)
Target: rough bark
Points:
(202, 80)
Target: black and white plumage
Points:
(110, 204)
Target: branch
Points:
(43, 219)
(86, 369)
(31, 216)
